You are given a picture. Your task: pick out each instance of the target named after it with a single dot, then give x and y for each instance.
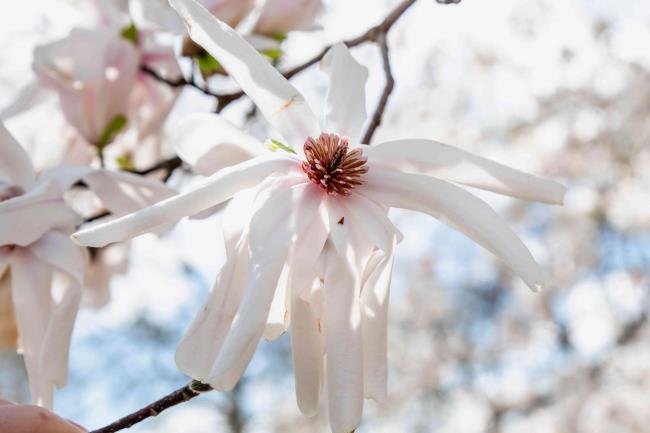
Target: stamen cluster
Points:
(332, 165)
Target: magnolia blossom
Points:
(313, 247)
(111, 95)
(92, 93)
(41, 270)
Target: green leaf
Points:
(280, 37)
(273, 54)
(125, 162)
(130, 33)
(111, 130)
(274, 145)
(208, 64)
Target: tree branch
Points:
(375, 121)
(179, 396)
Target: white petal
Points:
(123, 192)
(342, 327)
(202, 342)
(65, 176)
(56, 345)
(307, 352)
(277, 320)
(216, 189)
(15, 166)
(347, 234)
(273, 228)
(30, 291)
(154, 15)
(374, 324)
(306, 338)
(22, 218)
(345, 111)
(457, 208)
(283, 16)
(208, 142)
(59, 251)
(373, 220)
(457, 165)
(282, 105)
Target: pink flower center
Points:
(332, 165)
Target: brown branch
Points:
(179, 396)
(375, 121)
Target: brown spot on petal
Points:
(288, 103)
(342, 220)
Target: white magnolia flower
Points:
(315, 248)
(41, 269)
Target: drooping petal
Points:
(26, 218)
(208, 142)
(307, 352)
(123, 192)
(374, 323)
(345, 111)
(30, 291)
(272, 228)
(343, 342)
(202, 342)
(216, 189)
(372, 218)
(70, 260)
(306, 337)
(282, 105)
(457, 165)
(15, 167)
(457, 208)
(347, 234)
(277, 320)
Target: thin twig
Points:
(179, 396)
(375, 121)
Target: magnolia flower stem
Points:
(179, 396)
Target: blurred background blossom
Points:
(556, 87)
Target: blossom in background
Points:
(94, 94)
(279, 17)
(41, 270)
(316, 247)
(110, 100)
(274, 17)
(15, 418)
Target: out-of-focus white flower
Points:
(43, 268)
(34, 246)
(109, 100)
(157, 15)
(279, 17)
(93, 72)
(315, 247)
(274, 18)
